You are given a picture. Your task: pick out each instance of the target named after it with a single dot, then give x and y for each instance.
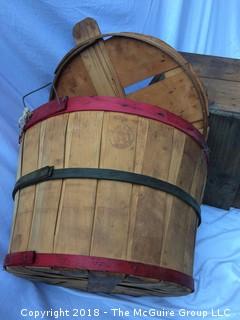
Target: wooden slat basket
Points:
(108, 193)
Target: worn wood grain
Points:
(127, 59)
(174, 93)
(108, 218)
(221, 76)
(16, 199)
(223, 93)
(109, 237)
(113, 219)
(97, 61)
(26, 200)
(224, 177)
(151, 202)
(134, 60)
(48, 194)
(76, 212)
(214, 67)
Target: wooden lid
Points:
(131, 65)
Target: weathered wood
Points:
(142, 134)
(221, 77)
(214, 67)
(76, 213)
(110, 229)
(134, 60)
(26, 199)
(103, 281)
(48, 195)
(18, 175)
(223, 93)
(174, 92)
(96, 60)
(114, 219)
(158, 142)
(131, 285)
(108, 218)
(68, 86)
(178, 144)
(125, 59)
(224, 174)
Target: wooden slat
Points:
(74, 227)
(221, 77)
(142, 133)
(223, 93)
(197, 188)
(224, 179)
(109, 218)
(97, 61)
(128, 143)
(48, 194)
(110, 229)
(103, 281)
(16, 199)
(214, 67)
(178, 144)
(135, 60)
(27, 195)
(126, 59)
(236, 202)
(174, 249)
(175, 93)
(151, 204)
(79, 281)
(75, 80)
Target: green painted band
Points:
(50, 173)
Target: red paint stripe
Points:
(71, 261)
(113, 104)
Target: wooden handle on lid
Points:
(96, 60)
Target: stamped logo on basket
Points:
(122, 136)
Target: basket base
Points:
(82, 280)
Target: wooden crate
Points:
(221, 77)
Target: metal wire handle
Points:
(42, 87)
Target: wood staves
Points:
(106, 218)
(221, 76)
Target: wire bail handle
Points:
(38, 89)
(27, 112)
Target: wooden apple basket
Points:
(110, 179)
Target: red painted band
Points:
(71, 261)
(113, 104)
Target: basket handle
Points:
(109, 84)
(38, 89)
(85, 29)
